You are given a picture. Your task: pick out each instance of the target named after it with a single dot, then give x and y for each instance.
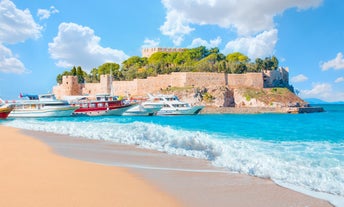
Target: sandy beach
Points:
(45, 169)
(32, 175)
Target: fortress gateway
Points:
(266, 79)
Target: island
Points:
(223, 84)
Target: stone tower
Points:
(68, 87)
(105, 84)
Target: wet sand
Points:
(181, 180)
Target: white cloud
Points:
(45, 13)
(259, 46)
(319, 88)
(149, 43)
(337, 63)
(339, 80)
(176, 26)
(16, 25)
(211, 44)
(247, 17)
(76, 45)
(9, 63)
(323, 91)
(299, 78)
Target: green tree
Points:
(259, 65)
(80, 74)
(275, 62)
(237, 57)
(134, 61)
(73, 71)
(59, 78)
(94, 76)
(111, 68)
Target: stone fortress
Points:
(140, 87)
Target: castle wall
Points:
(254, 80)
(92, 88)
(125, 87)
(70, 84)
(204, 79)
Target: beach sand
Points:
(34, 176)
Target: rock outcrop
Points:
(222, 99)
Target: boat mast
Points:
(111, 88)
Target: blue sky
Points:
(42, 38)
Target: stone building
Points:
(266, 79)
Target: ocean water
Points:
(305, 151)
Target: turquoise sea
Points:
(301, 151)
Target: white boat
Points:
(171, 105)
(143, 108)
(45, 105)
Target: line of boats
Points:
(46, 105)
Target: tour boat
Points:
(103, 105)
(5, 110)
(143, 108)
(172, 105)
(45, 105)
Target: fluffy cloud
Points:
(76, 45)
(21, 20)
(15, 26)
(320, 88)
(9, 63)
(339, 80)
(247, 17)
(261, 45)
(299, 78)
(211, 44)
(323, 91)
(45, 13)
(337, 63)
(176, 26)
(149, 43)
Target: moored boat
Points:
(45, 105)
(172, 105)
(103, 105)
(142, 110)
(5, 110)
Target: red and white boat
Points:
(5, 110)
(103, 105)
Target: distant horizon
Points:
(319, 101)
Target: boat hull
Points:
(177, 111)
(140, 110)
(36, 113)
(4, 112)
(101, 111)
